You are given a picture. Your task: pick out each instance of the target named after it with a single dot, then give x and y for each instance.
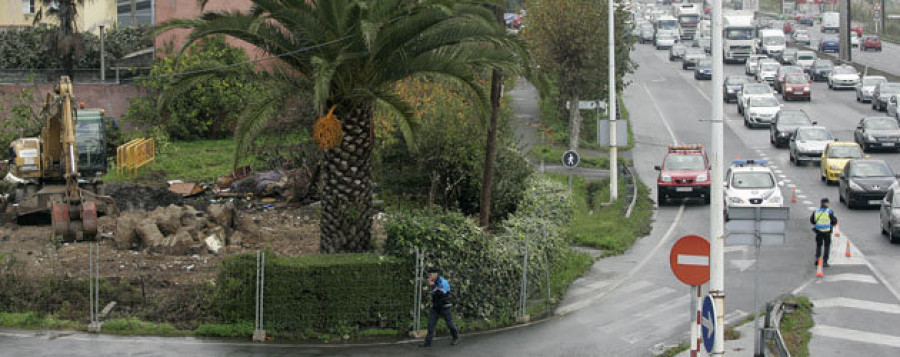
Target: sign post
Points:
(570, 160)
(708, 326)
(689, 259)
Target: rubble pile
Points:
(177, 230)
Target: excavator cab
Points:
(90, 140)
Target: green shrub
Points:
(335, 293)
(237, 329)
(485, 270)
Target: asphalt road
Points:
(886, 60)
(631, 305)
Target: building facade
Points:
(91, 14)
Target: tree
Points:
(568, 39)
(349, 54)
(66, 40)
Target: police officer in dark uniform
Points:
(823, 221)
(441, 306)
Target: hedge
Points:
(308, 295)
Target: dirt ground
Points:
(287, 230)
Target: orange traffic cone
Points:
(819, 272)
(847, 253)
(794, 196)
(837, 230)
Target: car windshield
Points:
(813, 135)
(871, 81)
(689, 19)
(773, 41)
(756, 89)
(870, 169)
(790, 69)
(892, 88)
(830, 39)
(736, 80)
(795, 80)
(872, 38)
(763, 102)
(665, 37)
(704, 63)
(880, 124)
(695, 51)
(789, 52)
(739, 34)
(806, 56)
(752, 180)
(770, 67)
(824, 64)
(685, 162)
(845, 152)
(792, 119)
(801, 33)
(845, 70)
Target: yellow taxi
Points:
(835, 156)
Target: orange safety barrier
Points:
(134, 154)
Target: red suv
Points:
(871, 43)
(684, 173)
(857, 28)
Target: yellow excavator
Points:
(46, 168)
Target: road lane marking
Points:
(661, 115)
(856, 335)
(859, 278)
(807, 202)
(563, 310)
(843, 302)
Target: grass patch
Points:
(731, 334)
(795, 326)
(238, 329)
(134, 326)
(674, 351)
(32, 320)
(605, 227)
(380, 332)
(553, 155)
(195, 161)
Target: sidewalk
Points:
(740, 347)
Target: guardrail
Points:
(134, 154)
(772, 329)
(631, 194)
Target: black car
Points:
(785, 125)
(820, 69)
(878, 132)
(788, 56)
(865, 182)
(890, 214)
(703, 69)
(732, 87)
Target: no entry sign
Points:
(689, 259)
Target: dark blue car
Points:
(829, 44)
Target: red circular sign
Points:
(689, 259)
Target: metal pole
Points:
(694, 319)
(757, 349)
(524, 277)
(97, 284)
(611, 104)
(256, 322)
(102, 55)
(91, 279)
(849, 27)
(717, 223)
(262, 293)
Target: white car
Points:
(854, 40)
(751, 90)
(759, 111)
(892, 106)
(801, 36)
(664, 41)
(751, 183)
(766, 70)
(805, 59)
(864, 90)
(752, 61)
(808, 143)
(843, 77)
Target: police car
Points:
(751, 183)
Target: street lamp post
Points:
(716, 218)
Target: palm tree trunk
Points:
(490, 151)
(347, 209)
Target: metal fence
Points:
(113, 75)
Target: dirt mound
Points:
(131, 197)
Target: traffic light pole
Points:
(716, 218)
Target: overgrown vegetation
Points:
(604, 226)
(796, 325)
(674, 351)
(209, 159)
(28, 48)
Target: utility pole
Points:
(611, 104)
(102, 55)
(716, 219)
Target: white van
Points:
(805, 59)
(771, 42)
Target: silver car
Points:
(892, 106)
(808, 143)
(864, 90)
(801, 37)
(750, 64)
(664, 41)
(750, 90)
(806, 59)
(766, 70)
(890, 214)
(760, 111)
(691, 56)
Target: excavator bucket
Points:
(89, 220)
(60, 220)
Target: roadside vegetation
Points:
(796, 325)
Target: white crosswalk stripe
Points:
(856, 335)
(842, 302)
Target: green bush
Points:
(485, 270)
(335, 293)
(29, 48)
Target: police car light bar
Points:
(750, 162)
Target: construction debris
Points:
(175, 230)
(186, 189)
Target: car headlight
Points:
(737, 200)
(834, 166)
(775, 199)
(870, 137)
(806, 89)
(788, 89)
(730, 91)
(784, 133)
(702, 177)
(853, 185)
(666, 178)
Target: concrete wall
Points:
(112, 97)
(166, 10)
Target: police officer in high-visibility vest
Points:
(823, 221)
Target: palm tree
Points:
(66, 40)
(350, 54)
